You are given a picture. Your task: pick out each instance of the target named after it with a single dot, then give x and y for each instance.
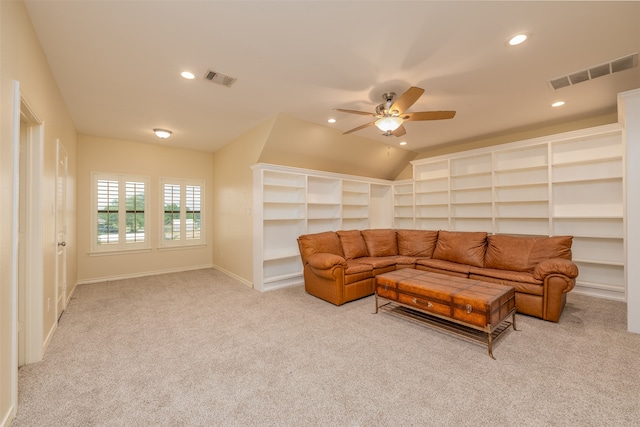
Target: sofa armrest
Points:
(555, 266)
(326, 261)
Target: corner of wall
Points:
(233, 201)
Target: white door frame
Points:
(62, 162)
(33, 263)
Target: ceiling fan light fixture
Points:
(162, 133)
(518, 39)
(389, 123)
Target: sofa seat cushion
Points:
(326, 242)
(462, 247)
(406, 260)
(356, 272)
(377, 262)
(444, 266)
(418, 243)
(514, 276)
(380, 242)
(521, 287)
(352, 243)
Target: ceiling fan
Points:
(391, 115)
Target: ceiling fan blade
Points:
(400, 131)
(358, 128)
(428, 115)
(362, 113)
(407, 99)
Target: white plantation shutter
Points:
(182, 209)
(192, 208)
(171, 212)
(119, 222)
(135, 211)
(107, 212)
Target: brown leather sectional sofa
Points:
(341, 266)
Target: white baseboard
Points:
(235, 276)
(8, 417)
(142, 274)
(49, 337)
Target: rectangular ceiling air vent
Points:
(219, 78)
(620, 64)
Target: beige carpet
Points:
(200, 349)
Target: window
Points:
(120, 214)
(182, 210)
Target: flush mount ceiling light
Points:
(558, 104)
(332, 120)
(518, 39)
(162, 133)
(388, 123)
(188, 75)
(403, 143)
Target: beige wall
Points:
(233, 203)
(298, 143)
(287, 141)
(105, 155)
(22, 59)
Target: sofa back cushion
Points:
(352, 243)
(419, 243)
(380, 242)
(508, 252)
(523, 253)
(327, 242)
(550, 247)
(463, 247)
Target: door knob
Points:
(62, 243)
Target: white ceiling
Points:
(118, 64)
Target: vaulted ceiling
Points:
(118, 64)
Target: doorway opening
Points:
(30, 243)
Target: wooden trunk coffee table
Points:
(468, 308)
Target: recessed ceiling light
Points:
(558, 104)
(162, 133)
(188, 75)
(517, 39)
(403, 143)
(331, 120)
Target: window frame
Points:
(182, 242)
(122, 245)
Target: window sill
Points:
(181, 247)
(120, 252)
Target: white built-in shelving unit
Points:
(471, 197)
(403, 212)
(431, 183)
(587, 179)
(289, 202)
(566, 184)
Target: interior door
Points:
(61, 228)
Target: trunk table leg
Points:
(376, 294)
(490, 345)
